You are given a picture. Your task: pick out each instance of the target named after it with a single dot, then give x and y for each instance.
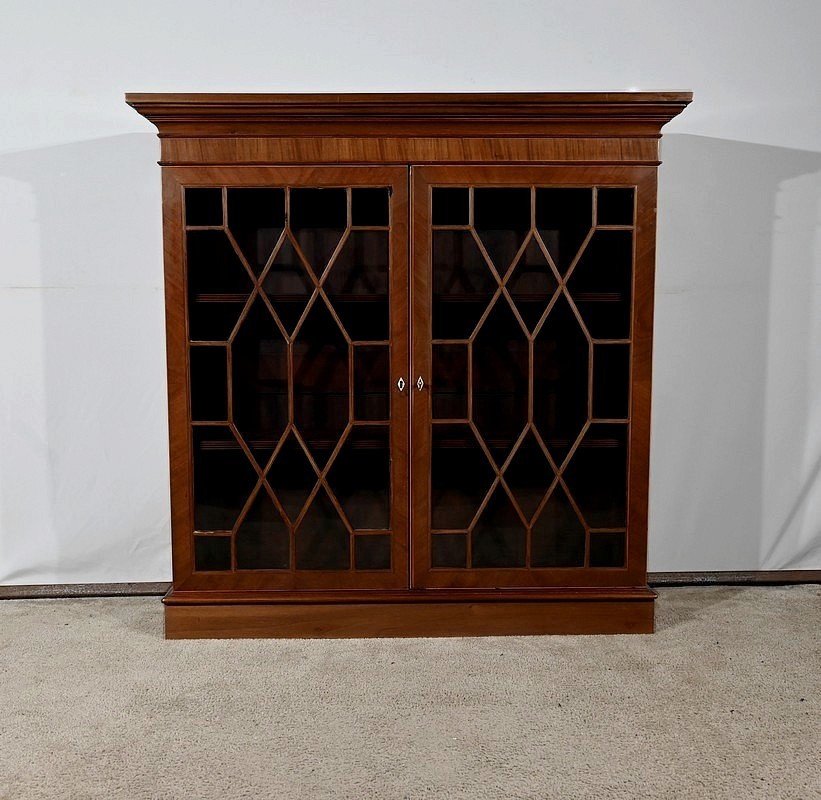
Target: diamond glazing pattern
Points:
(287, 284)
(535, 284)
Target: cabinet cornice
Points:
(537, 113)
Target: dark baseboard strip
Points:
(66, 590)
(773, 577)
(759, 578)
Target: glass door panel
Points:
(522, 331)
(298, 332)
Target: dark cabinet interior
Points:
(530, 361)
(289, 350)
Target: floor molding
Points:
(66, 590)
(772, 577)
(754, 578)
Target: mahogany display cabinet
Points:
(409, 353)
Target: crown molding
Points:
(541, 114)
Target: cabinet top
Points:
(596, 113)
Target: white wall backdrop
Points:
(736, 460)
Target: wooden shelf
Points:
(221, 297)
(319, 443)
(582, 297)
(227, 297)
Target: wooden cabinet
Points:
(409, 350)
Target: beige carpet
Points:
(723, 702)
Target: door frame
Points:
(634, 573)
(174, 180)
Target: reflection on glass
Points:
(263, 540)
(361, 477)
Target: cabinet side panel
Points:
(177, 360)
(641, 377)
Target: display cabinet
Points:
(409, 354)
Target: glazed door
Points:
(523, 346)
(289, 431)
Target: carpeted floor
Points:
(723, 702)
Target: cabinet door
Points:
(289, 434)
(532, 302)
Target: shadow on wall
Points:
(737, 436)
(736, 449)
(84, 469)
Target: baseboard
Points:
(66, 590)
(774, 577)
(728, 578)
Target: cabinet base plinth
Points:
(402, 619)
